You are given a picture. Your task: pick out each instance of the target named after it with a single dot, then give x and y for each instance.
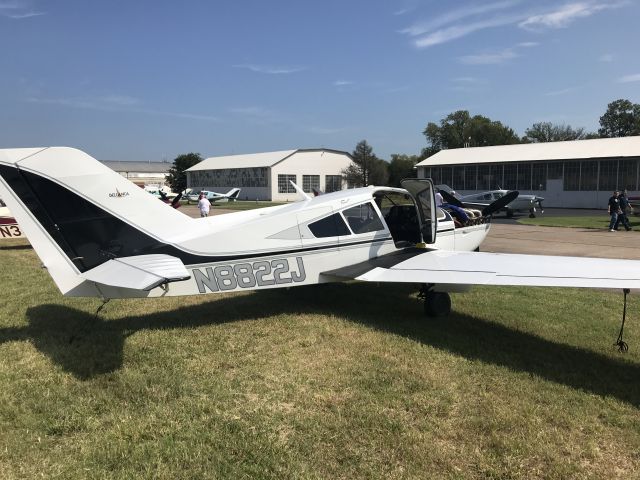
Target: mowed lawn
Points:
(335, 381)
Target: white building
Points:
(575, 174)
(141, 173)
(267, 176)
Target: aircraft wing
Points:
(480, 268)
(476, 205)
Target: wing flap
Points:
(475, 268)
(141, 272)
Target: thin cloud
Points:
(495, 58)
(607, 57)
(270, 70)
(342, 83)
(489, 58)
(458, 31)
(461, 22)
(630, 78)
(565, 15)
(18, 10)
(115, 103)
(452, 16)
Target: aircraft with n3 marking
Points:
(9, 228)
(98, 235)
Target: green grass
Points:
(334, 381)
(597, 222)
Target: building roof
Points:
(141, 167)
(576, 149)
(252, 160)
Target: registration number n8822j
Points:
(262, 273)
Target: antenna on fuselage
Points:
(300, 191)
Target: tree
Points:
(401, 166)
(459, 129)
(177, 178)
(543, 132)
(621, 119)
(366, 168)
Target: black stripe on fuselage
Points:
(89, 235)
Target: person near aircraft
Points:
(203, 206)
(613, 209)
(439, 199)
(624, 208)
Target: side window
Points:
(331, 226)
(363, 218)
(486, 196)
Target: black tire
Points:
(509, 213)
(437, 304)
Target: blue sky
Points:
(148, 80)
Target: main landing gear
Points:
(436, 304)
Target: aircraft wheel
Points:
(437, 304)
(509, 213)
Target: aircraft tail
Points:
(92, 228)
(233, 193)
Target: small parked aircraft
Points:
(8, 225)
(98, 235)
(524, 203)
(230, 196)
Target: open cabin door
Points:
(423, 192)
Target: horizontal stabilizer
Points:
(141, 272)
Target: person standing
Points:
(439, 199)
(203, 205)
(625, 208)
(613, 209)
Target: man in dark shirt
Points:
(614, 210)
(622, 216)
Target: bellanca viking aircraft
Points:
(98, 235)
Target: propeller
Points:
(500, 203)
(175, 203)
(489, 209)
(163, 196)
(451, 199)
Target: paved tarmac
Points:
(577, 242)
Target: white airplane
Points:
(523, 203)
(9, 228)
(230, 196)
(98, 235)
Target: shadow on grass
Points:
(86, 345)
(16, 247)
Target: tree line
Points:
(460, 129)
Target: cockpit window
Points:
(331, 226)
(363, 218)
